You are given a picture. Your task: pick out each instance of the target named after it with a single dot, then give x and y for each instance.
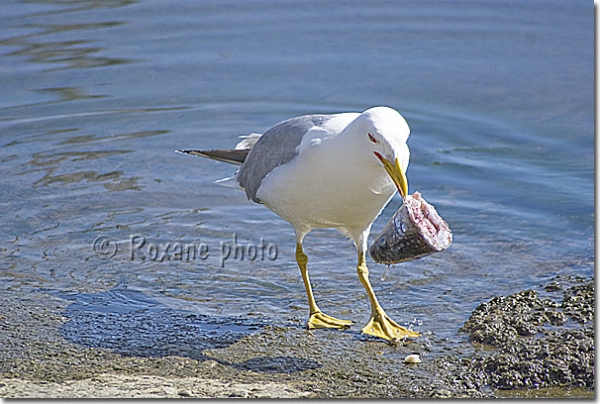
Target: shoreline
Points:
(521, 345)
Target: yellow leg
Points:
(380, 325)
(317, 319)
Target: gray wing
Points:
(275, 147)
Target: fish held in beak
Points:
(415, 231)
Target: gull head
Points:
(384, 134)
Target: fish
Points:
(414, 231)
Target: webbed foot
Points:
(320, 320)
(381, 326)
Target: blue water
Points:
(96, 96)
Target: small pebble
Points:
(209, 363)
(412, 359)
(185, 393)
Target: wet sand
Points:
(535, 343)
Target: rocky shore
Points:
(533, 343)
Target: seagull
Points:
(328, 171)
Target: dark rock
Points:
(527, 355)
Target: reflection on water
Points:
(50, 162)
(65, 94)
(45, 46)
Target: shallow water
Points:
(98, 95)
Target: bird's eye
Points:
(372, 139)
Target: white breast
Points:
(325, 186)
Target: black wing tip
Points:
(193, 152)
(227, 156)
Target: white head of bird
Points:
(384, 131)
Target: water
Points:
(96, 96)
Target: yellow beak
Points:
(396, 174)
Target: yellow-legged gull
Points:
(328, 171)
